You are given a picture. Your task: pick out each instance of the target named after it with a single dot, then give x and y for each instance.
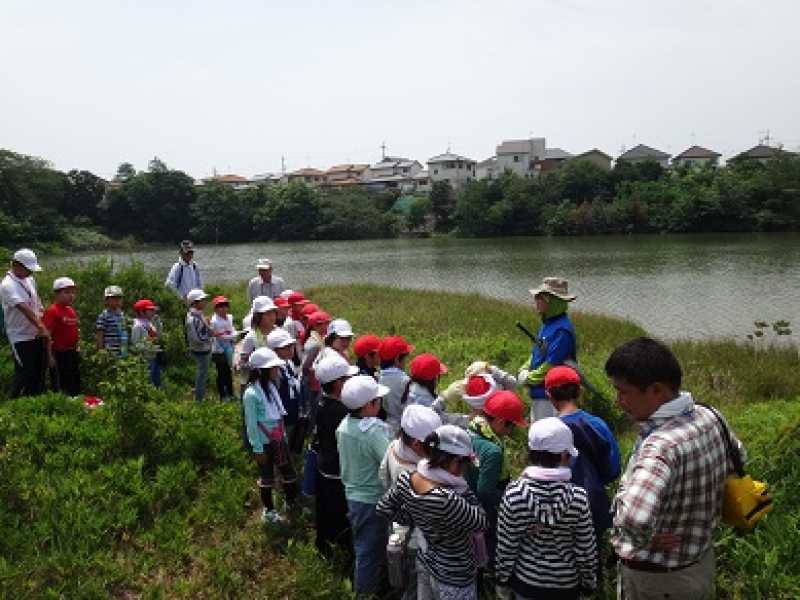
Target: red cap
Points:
(477, 386)
(427, 367)
(366, 344)
(507, 406)
(296, 298)
(143, 304)
(309, 309)
(220, 300)
(281, 302)
(318, 317)
(393, 346)
(562, 375)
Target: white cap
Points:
(262, 304)
(551, 435)
(63, 283)
(195, 295)
(113, 291)
(263, 263)
(419, 421)
(27, 258)
(454, 440)
(264, 358)
(279, 338)
(358, 391)
(340, 327)
(333, 367)
(286, 293)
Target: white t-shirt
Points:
(14, 291)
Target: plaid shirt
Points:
(673, 484)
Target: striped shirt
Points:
(673, 484)
(545, 537)
(447, 519)
(112, 324)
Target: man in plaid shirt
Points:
(670, 497)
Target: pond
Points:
(675, 286)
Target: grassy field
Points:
(151, 496)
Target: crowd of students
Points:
(420, 497)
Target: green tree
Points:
(125, 172)
(84, 194)
(443, 201)
(291, 212)
(418, 213)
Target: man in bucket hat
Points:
(265, 283)
(184, 276)
(555, 343)
(27, 334)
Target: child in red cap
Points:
(366, 350)
(145, 335)
(222, 345)
(393, 352)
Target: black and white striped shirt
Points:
(545, 537)
(447, 519)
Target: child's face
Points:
(199, 304)
(283, 312)
(221, 310)
(66, 296)
(341, 343)
(274, 373)
(268, 320)
(114, 303)
(286, 352)
(148, 314)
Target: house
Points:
(596, 157)
(308, 176)
(642, 153)
(422, 181)
(267, 178)
(520, 156)
(696, 156)
(553, 158)
(345, 175)
(236, 182)
(455, 169)
(760, 153)
(390, 166)
(487, 169)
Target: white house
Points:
(487, 169)
(422, 181)
(457, 170)
(391, 166)
(520, 156)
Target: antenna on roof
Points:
(283, 165)
(765, 137)
(383, 150)
(693, 138)
(448, 146)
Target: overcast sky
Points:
(236, 85)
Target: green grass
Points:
(151, 495)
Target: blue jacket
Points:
(597, 463)
(556, 344)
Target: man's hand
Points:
(665, 542)
(42, 331)
(522, 377)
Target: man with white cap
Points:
(362, 440)
(402, 455)
(61, 321)
(545, 538)
(27, 334)
(555, 344)
(198, 336)
(184, 276)
(331, 504)
(265, 283)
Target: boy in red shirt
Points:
(61, 321)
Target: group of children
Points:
(394, 469)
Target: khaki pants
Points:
(692, 583)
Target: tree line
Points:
(41, 205)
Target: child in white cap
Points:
(437, 500)
(61, 320)
(545, 537)
(289, 388)
(262, 323)
(198, 336)
(362, 441)
(111, 329)
(266, 434)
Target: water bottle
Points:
(395, 560)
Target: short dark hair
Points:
(328, 386)
(405, 438)
(568, 391)
(644, 361)
(540, 458)
(437, 458)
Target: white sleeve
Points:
(171, 277)
(11, 294)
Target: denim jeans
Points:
(202, 359)
(370, 535)
(155, 372)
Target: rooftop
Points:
(760, 151)
(346, 168)
(698, 152)
(593, 151)
(556, 154)
(307, 172)
(516, 146)
(229, 178)
(449, 157)
(641, 151)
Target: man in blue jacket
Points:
(555, 343)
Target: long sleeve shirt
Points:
(198, 333)
(184, 277)
(258, 287)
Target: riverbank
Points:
(151, 495)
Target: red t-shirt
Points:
(62, 322)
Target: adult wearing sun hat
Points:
(265, 283)
(555, 344)
(184, 275)
(501, 412)
(27, 334)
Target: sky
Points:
(234, 86)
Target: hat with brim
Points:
(478, 389)
(27, 258)
(555, 286)
(263, 264)
(63, 283)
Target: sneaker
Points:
(271, 516)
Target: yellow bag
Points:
(744, 501)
